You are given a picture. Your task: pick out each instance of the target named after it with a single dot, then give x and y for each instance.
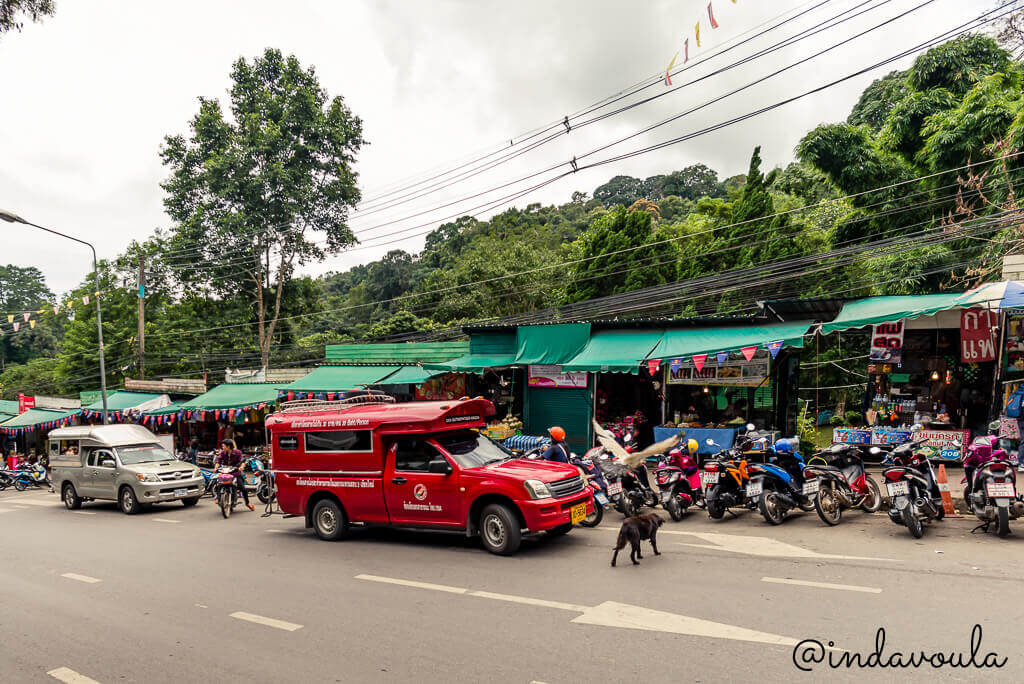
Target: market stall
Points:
(124, 406)
(487, 369)
(29, 429)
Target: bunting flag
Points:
(330, 396)
(696, 31)
(675, 364)
(668, 71)
(652, 366)
(10, 318)
(686, 51)
(32, 324)
(748, 352)
(56, 309)
(27, 316)
(774, 347)
(698, 361)
(85, 300)
(16, 326)
(711, 16)
(722, 357)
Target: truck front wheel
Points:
(329, 520)
(499, 530)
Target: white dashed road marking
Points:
(69, 676)
(84, 512)
(268, 622)
(165, 520)
(821, 585)
(81, 578)
(612, 614)
(36, 502)
(6, 510)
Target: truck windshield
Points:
(147, 453)
(471, 449)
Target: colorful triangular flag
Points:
(686, 51)
(698, 361)
(711, 16)
(696, 29)
(748, 352)
(774, 347)
(10, 318)
(32, 324)
(85, 300)
(674, 364)
(16, 326)
(668, 71)
(722, 357)
(27, 316)
(652, 366)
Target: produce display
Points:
(504, 428)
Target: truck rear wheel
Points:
(499, 530)
(329, 520)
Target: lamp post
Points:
(11, 217)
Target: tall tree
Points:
(14, 12)
(693, 182)
(23, 289)
(249, 192)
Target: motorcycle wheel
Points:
(872, 501)
(912, 522)
(809, 506)
(1003, 525)
(715, 508)
(224, 501)
(770, 508)
(263, 492)
(20, 486)
(650, 499)
(595, 518)
(674, 509)
(941, 511)
(828, 507)
(627, 507)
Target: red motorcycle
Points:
(678, 479)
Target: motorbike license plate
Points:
(601, 498)
(180, 492)
(754, 490)
(614, 488)
(578, 513)
(897, 489)
(1000, 489)
(811, 487)
(708, 478)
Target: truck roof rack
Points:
(316, 405)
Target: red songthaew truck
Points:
(370, 461)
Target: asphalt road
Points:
(177, 594)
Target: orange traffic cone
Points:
(947, 498)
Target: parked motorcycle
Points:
(30, 476)
(837, 480)
(778, 486)
(912, 487)
(595, 480)
(225, 490)
(991, 491)
(678, 478)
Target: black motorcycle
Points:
(913, 489)
(725, 478)
(837, 479)
(778, 486)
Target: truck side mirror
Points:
(107, 463)
(440, 466)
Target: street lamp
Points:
(11, 217)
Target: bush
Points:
(854, 418)
(837, 421)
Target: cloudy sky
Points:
(88, 95)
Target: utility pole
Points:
(142, 317)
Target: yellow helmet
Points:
(692, 446)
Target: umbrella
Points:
(1007, 294)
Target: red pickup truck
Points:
(370, 461)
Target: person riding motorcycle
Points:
(230, 456)
(558, 451)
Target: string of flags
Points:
(322, 396)
(700, 360)
(140, 418)
(16, 321)
(686, 42)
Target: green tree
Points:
(13, 13)
(622, 190)
(878, 99)
(248, 193)
(692, 183)
(23, 289)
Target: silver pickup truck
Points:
(123, 463)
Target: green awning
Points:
(409, 375)
(404, 353)
(550, 345)
(8, 409)
(234, 395)
(35, 417)
(340, 378)
(486, 350)
(173, 407)
(122, 401)
(873, 310)
(683, 342)
(615, 351)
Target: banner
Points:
(25, 403)
(552, 376)
(736, 372)
(887, 342)
(978, 335)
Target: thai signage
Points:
(737, 371)
(977, 335)
(25, 403)
(552, 376)
(887, 342)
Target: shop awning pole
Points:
(997, 372)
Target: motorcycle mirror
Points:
(874, 450)
(916, 427)
(709, 441)
(957, 443)
(751, 427)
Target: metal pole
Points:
(14, 218)
(142, 317)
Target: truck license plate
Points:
(180, 492)
(897, 489)
(578, 513)
(811, 487)
(754, 490)
(708, 478)
(1000, 489)
(614, 488)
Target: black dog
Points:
(633, 531)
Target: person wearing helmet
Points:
(558, 451)
(230, 456)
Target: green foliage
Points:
(958, 64)
(37, 376)
(400, 323)
(692, 183)
(854, 418)
(14, 12)
(878, 99)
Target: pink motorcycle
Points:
(991, 492)
(678, 478)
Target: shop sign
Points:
(944, 441)
(977, 335)
(1009, 428)
(889, 436)
(25, 403)
(442, 388)
(887, 342)
(552, 376)
(738, 372)
(851, 436)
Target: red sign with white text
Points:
(977, 335)
(25, 403)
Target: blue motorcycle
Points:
(778, 485)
